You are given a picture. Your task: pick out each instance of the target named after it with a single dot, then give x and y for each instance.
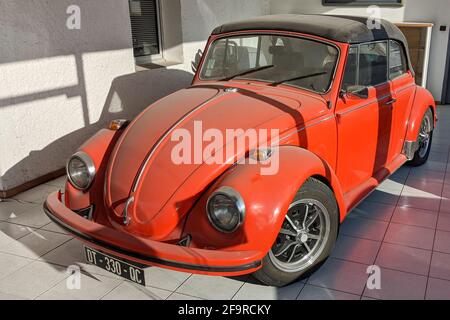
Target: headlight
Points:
(226, 210)
(80, 170)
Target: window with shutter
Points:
(144, 17)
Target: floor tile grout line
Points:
(242, 285)
(389, 223)
(435, 232)
(174, 291)
(114, 288)
(323, 287)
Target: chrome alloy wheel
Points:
(424, 137)
(302, 237)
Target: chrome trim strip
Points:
(344, 112)
(306, 127)
(163, 138)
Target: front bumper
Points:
(150, 252)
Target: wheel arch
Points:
(267, 200)
(423, 101)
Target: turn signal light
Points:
(118, 124)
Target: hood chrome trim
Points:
(149, 156)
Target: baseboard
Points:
(4, 194)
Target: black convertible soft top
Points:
(346, 29)
(338, 28)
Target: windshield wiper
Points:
(274, 84)
(247, 72)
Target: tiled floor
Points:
(403, 227)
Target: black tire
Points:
(271, 273)
(421, 156)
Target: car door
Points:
(364, 122)
(403, 89)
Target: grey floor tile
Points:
(356, 249)
(130, 291)
(35, 244)
(10, 232)
(372, 210)
(341, 275)
(422, 175)
(32, 280)
(397, 285)
(404, 259)
(11, 208)
(444, 222)
(420, 200)
(211, 288)
(33, 217)
(179, 296)
(5, 296)
(36, 195)
(251, 291)
(415, 217)
(59, 182)
(410, 236)
(387, 196)
(440, 266)
(317, 293)
(442, 241)
(164, 278)
(72, 253)
(10, 263)
(91, 288)
(445, 203)
(364, 228)
(54, 228)
(438, 289)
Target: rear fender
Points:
(267, 199)
(422, 102)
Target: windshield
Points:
(277, 59)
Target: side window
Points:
(397, 60)
(351, 69)
(373, 64)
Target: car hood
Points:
(141, 165)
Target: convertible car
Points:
(343, 98)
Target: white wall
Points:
(59, 86)
(435, 11)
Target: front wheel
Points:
(424, 140)
(306, 238)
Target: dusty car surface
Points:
(342, 97)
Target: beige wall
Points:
(435, 11)
(59, 86)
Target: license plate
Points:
(116, 266)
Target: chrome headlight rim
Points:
(239, 202)
(87, 160)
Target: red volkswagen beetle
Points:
(342, 99)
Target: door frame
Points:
(445, 99)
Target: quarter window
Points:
(397, 60)
(367, 65)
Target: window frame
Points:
(406, 60)
(144, 60)
(388, 47)
(253, 33)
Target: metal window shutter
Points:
(144, 27)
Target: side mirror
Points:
(361, 92)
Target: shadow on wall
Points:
(128, 96)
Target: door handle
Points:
(391, 102)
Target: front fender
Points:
(423, 100)
(99, 148)
(267, 199)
